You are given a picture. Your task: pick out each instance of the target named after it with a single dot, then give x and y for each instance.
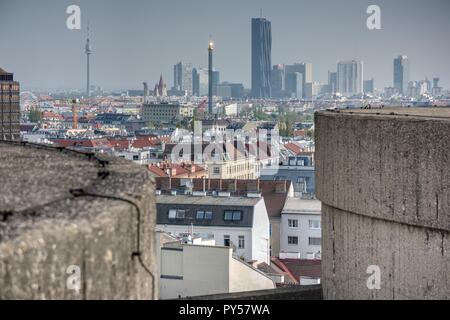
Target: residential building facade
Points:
(300, 233)
(238, 222)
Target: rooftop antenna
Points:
(261, 12)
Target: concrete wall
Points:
(384, 183)
(45, 228)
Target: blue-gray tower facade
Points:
(261, 57)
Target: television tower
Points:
(88, 52)
(210, 76)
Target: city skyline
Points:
(35, 50)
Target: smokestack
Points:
(145, 92)
(210, 76)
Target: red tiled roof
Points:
(297, 268)
(157, 171)
(175, 169)
(84, 143)
(293, 148)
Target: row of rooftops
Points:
(273, 192)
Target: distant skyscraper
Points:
(332, 82)
(261, 57)
(350, 77)
(401, 74)
(294, 85)
(9, 107)
(305, 69)
(182, 77)
(88, 52)
(278, 80)
(369, 86)
(201, 81)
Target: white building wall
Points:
(218, 233)
(261, 233)
(245, 278)
(205, 270)
(303, 232)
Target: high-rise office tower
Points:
(401, 74)
(305, 69)
(88, 52)
(332, 82)
(182, 77)
(201, 81)
(350, 77)
(9, 107)
(261, 57)
(368, 86)
(294, 85)
(277, 79)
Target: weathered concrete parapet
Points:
(383, 176)
(60, 208)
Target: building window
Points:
(200, 215)
(226, 240)
(293, 223)
(314, 224)
(315, 241)
(241, 244)
(208, 215)
(216, 170)
(203, 215)
(293, 240)
(232, 215)
(180, 214)
(172, 214)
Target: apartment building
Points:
(238, 222)
(300, 232)
(165, 113)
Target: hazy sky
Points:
(136, 40)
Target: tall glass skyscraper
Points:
(401, 74)
(261, 57)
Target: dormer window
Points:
(232, 215)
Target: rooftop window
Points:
(232, 215)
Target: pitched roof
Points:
(3, 72)
(295, 149)
(297, 268)
(83, 143)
